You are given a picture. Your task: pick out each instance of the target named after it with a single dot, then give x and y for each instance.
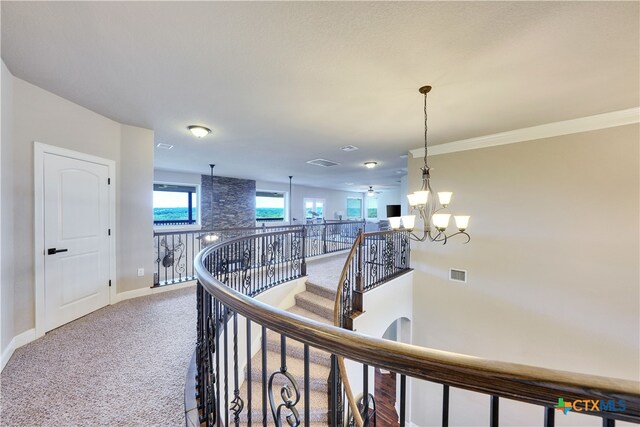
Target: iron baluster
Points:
(237, 404)
(249, 379)
(403, 400)
(495, 411)
(445, 405)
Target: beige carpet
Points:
(326, 272)
(123, 365)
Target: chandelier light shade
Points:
(199, 131)
(371, 193)
(434, 214)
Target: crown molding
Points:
(566, 127)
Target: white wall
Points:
(553, 270)
(6, 210)
(135, 209)
(379, 314)
(33, 114)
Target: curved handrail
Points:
(336, 322)
(530, 384)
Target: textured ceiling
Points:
(281, 83)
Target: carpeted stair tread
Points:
(322, 291)
(301, 311)
(315, 304)
(296, 349)
(318, 411)
(318, 374)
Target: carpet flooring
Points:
(123, 365)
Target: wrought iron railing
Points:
(375, 259)
(176, 250)
(232, 324)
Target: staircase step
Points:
(310, 315)
(315, 304)
(318, 410)
(322, 291)
(296, 349)
(318, 374)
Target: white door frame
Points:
(39, 151)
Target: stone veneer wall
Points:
(234, 202)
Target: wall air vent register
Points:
(323, 162)
(456, 275)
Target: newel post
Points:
(303, 263)
(358, 292)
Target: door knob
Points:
(53, 251)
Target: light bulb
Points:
(441, 221)
(421, 197)
(394, 222)
(412, 199)
(462, 221)
(445, 197)
(408, 221)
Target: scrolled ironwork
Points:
(289, 399)
(237, 405)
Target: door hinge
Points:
(109, 232)
(108, 181)
(109, 283)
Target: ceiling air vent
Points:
(322, 162)
(349, 148)
(456, 275)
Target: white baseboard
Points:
(122, 296)
(18, 341)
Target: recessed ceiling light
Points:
(404, 156)
(199, 131)
(349, 148)
(370, 165)
(165, 146)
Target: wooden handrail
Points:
(357, 417)
(530, 384)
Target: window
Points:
(372, 207)
(313, 208)
(270, 206)
(175, 204)
(354, 208)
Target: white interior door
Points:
(76, 237)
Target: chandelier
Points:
(434, 214)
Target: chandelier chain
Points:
(425, 129)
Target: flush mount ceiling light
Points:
(199, 131)
(370, 165)
(424, 202)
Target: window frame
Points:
(359, 199)
(194, 223)
(285, 210)
(314, 200)
(377, 208)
